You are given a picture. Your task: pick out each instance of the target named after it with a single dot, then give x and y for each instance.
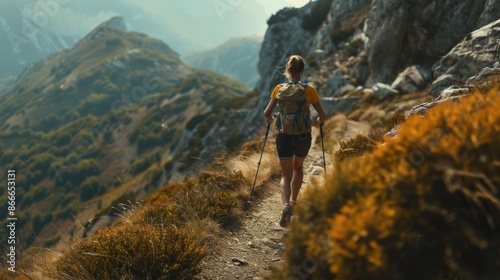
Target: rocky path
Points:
(258, 245)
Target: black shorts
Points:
(290, 146)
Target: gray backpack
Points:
(293, 109)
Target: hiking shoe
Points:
(285, 216)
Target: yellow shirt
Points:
(312, 95)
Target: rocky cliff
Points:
(361, 43)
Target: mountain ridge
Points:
(235, 58)
(118, 113)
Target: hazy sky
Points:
(32, 29)
(206, 21)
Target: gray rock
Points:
(333, 105)
(423, 108)
(239, 262)
(394, 132)
(338, 85)
(396, 34)
(382, 91)
(404, 32)
(453, 91)
(117, 23)
(487, 71)
(490, 12)
(412, 79)
(465, 60)
(288, 37)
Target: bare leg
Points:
(286, 179)
(297, 177)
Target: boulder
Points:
(423, 108)
(487, 71)
(479, 50)
(333, 105)
(339, 84)
(382, 91)
(412, 79)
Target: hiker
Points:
(293, 127)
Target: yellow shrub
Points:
(425, 205)
(213, 195)
(354, 147)
(135, 252)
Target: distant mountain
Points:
(23, 41)
(31, 30)
(236, 58)
(6, 83)
(119, 109)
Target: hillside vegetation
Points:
(422, 205)
(167, 234)
(106, 121)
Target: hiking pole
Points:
(258, 165)
(322, 146)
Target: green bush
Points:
(425, 205)
(49, 123)
(106, 86)
(85, 168)
(41, 162)
(145, 162)
(40, 221)
(35, 176)
(147, 141)
(114, 42)
(7, 156)
(195, 143)
(196, 120)
(91, 188)
(97, 104)
(188, 84)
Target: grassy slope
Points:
(75, 151)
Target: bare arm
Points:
(321, 112)
(269, 110)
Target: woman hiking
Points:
(293, 126)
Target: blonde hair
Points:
(294, 66)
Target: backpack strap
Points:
(305, 85)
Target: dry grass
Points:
(372, 115)
(269, 166)
(150, 241)
(35, 263)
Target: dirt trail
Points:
(251, 251)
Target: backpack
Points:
(293, 110)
